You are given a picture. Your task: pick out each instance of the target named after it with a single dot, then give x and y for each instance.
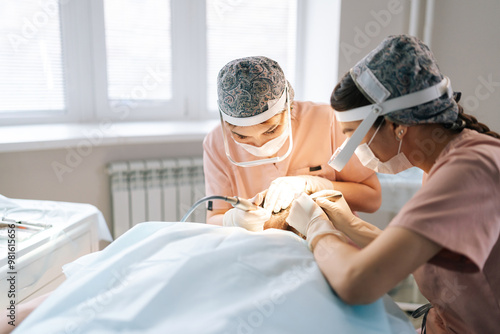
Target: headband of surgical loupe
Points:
(277, 106)
(368, 82)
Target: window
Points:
(31, 65)
(237, 29)
(138, 49)
(88, 61)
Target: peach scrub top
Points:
(316, 135)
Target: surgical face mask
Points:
(268, 149)
(396, 164)
(267, 153)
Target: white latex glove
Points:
(251, 220)
(259, 198)
(309, 219)
(285, 189)
(338, 211)
(360, 232)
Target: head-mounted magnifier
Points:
(370, 113)
(254, 120)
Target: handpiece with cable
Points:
(237, 202)
(241, 203)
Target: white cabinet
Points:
(75, 231)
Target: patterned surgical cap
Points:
(249, 86)
(403, 65)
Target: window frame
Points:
(136, 110)
(85, 77)
(21, 117)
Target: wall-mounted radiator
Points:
(155, 190)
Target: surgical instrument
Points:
(237, 202)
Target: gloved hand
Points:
(259, 198)
(310, 220)
(337, 211)
(361, 233)
(251, 220)
(285, 189)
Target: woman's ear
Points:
(399, 131)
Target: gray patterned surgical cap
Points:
(247, 87)
(404, 65)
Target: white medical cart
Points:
(59, 233)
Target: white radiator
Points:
(155, 190)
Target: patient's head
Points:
(278, 221)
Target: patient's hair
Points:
(278, 221)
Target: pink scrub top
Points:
(458, 208)
(316, 135)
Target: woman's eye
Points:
(270, 132)
(240, 136)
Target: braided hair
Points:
(466, 121)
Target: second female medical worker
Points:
(267, 140)
(396, 103)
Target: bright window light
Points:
(138, 48)
(31, 66)
(242, 28)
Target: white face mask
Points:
(396, 164)
(268, 149)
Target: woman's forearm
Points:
(336, 260)
(361, 232)
(364, 197)
(360, 276)
(215, 217)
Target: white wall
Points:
(365, 23)
(30, 175)
(319, 35)
(464, 41)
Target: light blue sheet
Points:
(194, 278)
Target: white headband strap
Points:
(399, 103)
(257, 119)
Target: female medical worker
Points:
(267, 140)
(399, 107)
